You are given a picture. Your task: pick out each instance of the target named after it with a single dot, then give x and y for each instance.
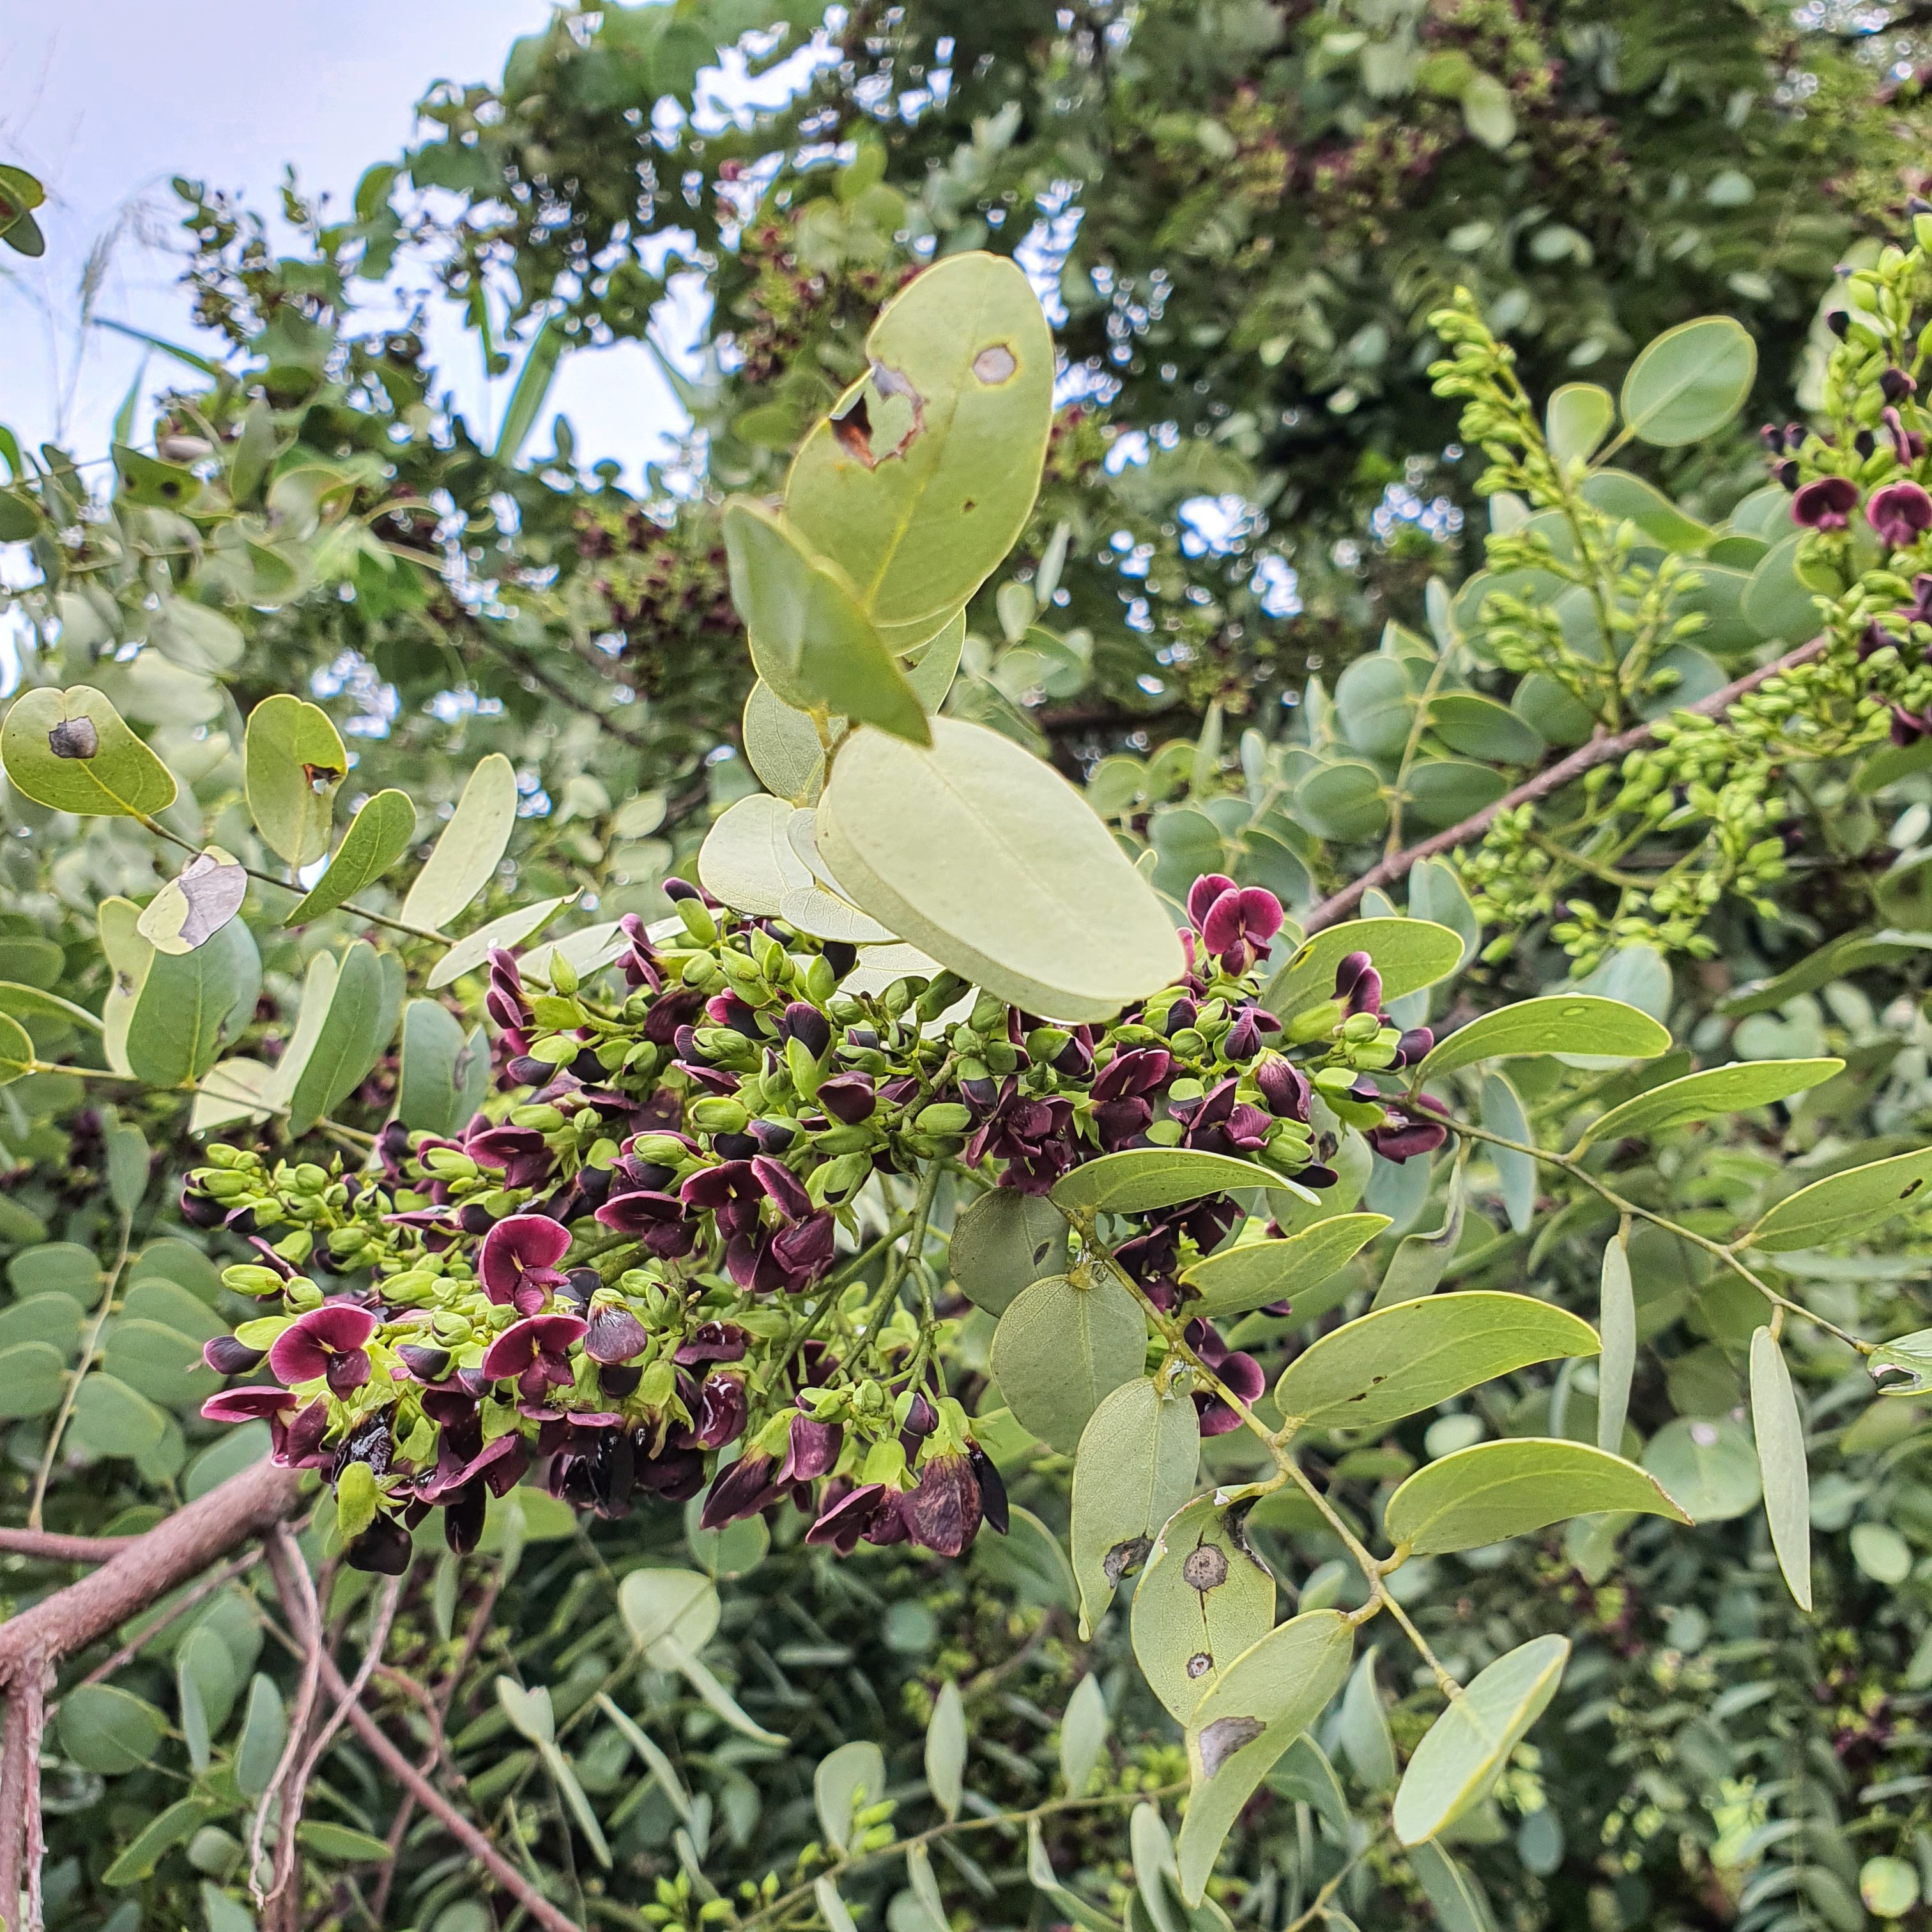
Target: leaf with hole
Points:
(1402, 1359)
(923, 476)
(1134, 1468)
(465, 855)
(1262, 1701)
(195, 903)
(1060, 1349)
(294, 762)
(192, 1005)
(1496, 1490)
(1205, 1597)
(1254, 1274)
(1842, 1205)
(71, 750)
(378, 836)
(984, 857)
(1566, 1023)
(1464, 1751)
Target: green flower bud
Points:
(716, 1114)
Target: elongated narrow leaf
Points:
(1083, 1732)
(445, 1072)
(1844, 1204)
(378, 836)
(1503, 1114)
(295, 762)
(1257, 1272)
(983, 856)
(348, 1042)
(660, 1766)
(1409, 953)
(1466, 1748)
(1780, 1431)
(810, 637)
(532, 386)
(1206, 1596)
(1060, 1351)
(1616, 1323)
(1420, 1261)
(1003, 1241)
(1135, 1468)
(1400, 1360)
(1138, 1179)
(1495, 1490)
(1264, 1699)
(946, 1749)
(465, 855)
(70, 749)
(508, 929)
(1456, 1899)
(1581, 1023)
(1363, 1731)
(1703, 1096)
(1075, 1909)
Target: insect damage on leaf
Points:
(321, 777)
(74, 738)
(902, 418)
(1124, 1559)
(1220, 1740)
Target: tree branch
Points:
(46, 1546)
(1599, 751)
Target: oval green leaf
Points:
(191, 1005)
(986, 859)
(1616, 1322)
(1577, 418)
(1402, 1359)
(1409, 954)
(508, 929)
(1135, 1467)
(294, 762)
(1205, 1598)
(1709, 1464)
(1464, 1751)
(33, 1374)
(445, 1072)
(1563, 1023)
(70, 749)
(1061, 1351)
(1257, 1272)
(1002, 1242)
(108, 1730)
(348, 1042)
(1495, 1490)
(1689, 381)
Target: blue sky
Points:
(105, 99)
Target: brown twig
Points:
(47, 1547)
(19, 1795)
(296, 1589)
(1599, 751)
(466, 1833)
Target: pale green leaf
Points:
(378, 836)
(1703, 1096)
(1004, 1240)
(350, 1039)
(1134, 1468)
(1580, 1023)
(1409, 953)
(445, 1072)
(946, 1749)
(1059, 1350)
(1205, 1598)
(507, 929)
(1842, 1205)
(1616, 1321)
(847, 1780)
(1689, 381)
(1083, 1734)
(465, 855)
(295, 762)
(1137, 1179)
(1363, 1729)
(1780, 1432)
(1577, 418)
(1254, 1274)
(191, 1005)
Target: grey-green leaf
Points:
(1399, 1361)
(1061, 1350)
(1703, 1096)
(946, 1749)
(1363, 1731)
(1139, 1179)
(1563, 1023)
(351, 1037)
(847, 1780)
(1689, 381)
(1464, 1750)
(465, 855)
(1083, 1732)
(1206, 1596)
(445, 1072)
(1135, 1467)
(1409, 954)
(1616, 1323)
(1003, 1240)
(1844, 1204)
(1256, 1273)
(378, 836)
(1780, 1431)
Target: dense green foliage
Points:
(1667, 1004)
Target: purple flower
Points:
(657, 1220)
(1237, 1373)
(720, 1414)
(782, 1186)
(331, 1341)
(1285, 1088)
(1218, 1123)
(1414, 1047)
(1121, 1109)
(731, 1193)
(1032, 1137)
(1899, 513)
(384, 1547)
(1825, 503)
(787, 1259)
(812, 1452)
(1236, 922)
(712, 1342)
(1402, 1135)
(518, 1263)
(849, 1098)
(803, 1022)
(521, 1152)
(743, 1489)
(536, 1351)
(872, 1513)
(1358, 985)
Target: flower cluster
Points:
(667, 1235)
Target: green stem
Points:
(71, 1394)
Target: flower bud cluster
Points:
(659, 1239)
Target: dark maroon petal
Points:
(992, 1488)
(944, 1512)
(743, 1489)
(1203, 893)
(1825, 503)
(721, 1411)
(462, 1518)
(1398, 1143)
(713, 1341)
(841, 1523)
(806, 1024)
(228, 1356)
(814, 1447)
(614, 1335)
(246, 1405)
(783, 1186)
(384, 1547)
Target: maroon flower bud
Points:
(814, 1447)
(425, 1364)
(803, 1022)
(712, 1342)
(721, 1411)
(743, 1489)
(1358, 985)
(580, 1284)
(201, 1210)
(1895, 385)
(1415, 1046)
(992, 1488)
(227, 1357)
(1404, 1137)
(943, 1512)
(614, 1334)
(462, 1518)
(248, 1404)
(1285, 1088)
(617, 1383)
(849, 1098)
(385, 1547)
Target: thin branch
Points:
(46, 1545)
(466, 1834)
(296, 1589)
(19, 1795)
(1599, 751)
